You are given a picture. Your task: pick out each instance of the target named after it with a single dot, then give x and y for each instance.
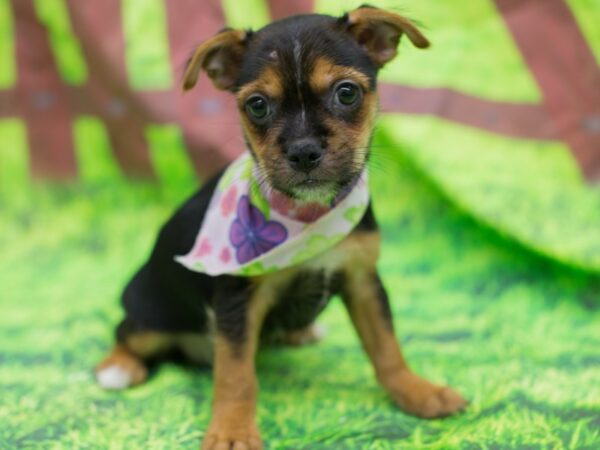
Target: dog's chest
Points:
(315, 281)
(302, 292)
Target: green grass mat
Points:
(516, 333)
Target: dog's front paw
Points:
(421, 398)
(220, 436)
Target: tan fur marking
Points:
(266, 148)
(325, 73)
(268, 83)
(346, 137)
(149, 343)
(362, 250)
(412, 393)
(235, 391)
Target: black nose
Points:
(304, 154)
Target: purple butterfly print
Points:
(251, 234)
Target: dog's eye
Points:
(347, 93)
(258, 107)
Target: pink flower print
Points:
(204, 248)
(228, 201)
(225, 255)
(311, 212)
(281, 203)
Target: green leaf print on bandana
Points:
(352, 213)
(316, 244)
(199, 267)
(256, 268)
(258, 199)
(239, 170)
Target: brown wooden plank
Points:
(287, 8)
(208, 117)
(39, 98)
(98, 26)
(511, 119)
(8, 103)
(566, 71)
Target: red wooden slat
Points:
(280, 9)
(521, 120)
(40, 98)
(8, 103)
(208, 117)
(99, 28)
(566, 71)
(511, 119)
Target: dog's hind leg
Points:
(125, 365)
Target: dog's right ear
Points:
(378, 32)
(220, 57)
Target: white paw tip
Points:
(319, 331)
(113, 377)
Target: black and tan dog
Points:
(306, 90)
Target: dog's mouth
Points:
(321, 185)
(310, 189)
(320, 190)
(311, 183)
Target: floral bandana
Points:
(248, 232)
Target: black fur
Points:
(230, 304)
(306, 296)
(384, 302)
(319, 35)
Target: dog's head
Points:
(306, 92)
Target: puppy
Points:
(306, 91)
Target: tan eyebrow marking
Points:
(325, 73)
(269, 82)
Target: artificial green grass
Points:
(516, 333)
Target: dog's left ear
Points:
(378, 32)
(220, 57)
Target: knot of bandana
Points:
(248, 232)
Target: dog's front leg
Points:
(239, 313)
(369, 309)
